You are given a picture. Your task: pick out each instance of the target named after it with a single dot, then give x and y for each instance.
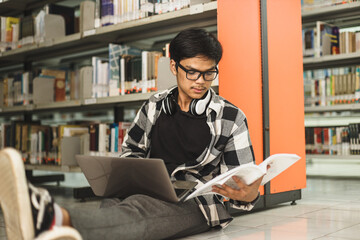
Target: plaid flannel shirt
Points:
(229, 147)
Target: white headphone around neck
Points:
(196, 108)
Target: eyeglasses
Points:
(195, 75)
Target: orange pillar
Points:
(286, 94)
(240, 79)
(240, 68)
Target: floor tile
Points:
(217, 233)
(255, 219)
(334, 215)
(349, 206)
(350, 233)
(332, 238)
(312, 227)
(264, 234)
(287, 210)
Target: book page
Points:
(278, 163)
(249, 173)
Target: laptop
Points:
(123, 177)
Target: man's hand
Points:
(245, 193)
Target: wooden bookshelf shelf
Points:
(331, 61)
(53, 168)
(55, 105)
(84, 104)
(332, 12)
(16, 109)
(334, 108)
(123, 32)
(331, 121)
(136, 97)
(332, 157)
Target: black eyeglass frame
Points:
(200, 73)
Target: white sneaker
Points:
(28, 211)
(14, 196)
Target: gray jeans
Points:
(139, 217)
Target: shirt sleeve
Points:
(134, 144)
(247, 206)
(238, 151)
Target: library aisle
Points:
(329, 210)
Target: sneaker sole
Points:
(14, 196)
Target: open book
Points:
(249, 173)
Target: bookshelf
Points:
(341, 115)
(126, 32)
(331, 12)
(329, 61)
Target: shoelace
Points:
(40, 206)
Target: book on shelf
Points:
(326, 87)
(67, 13)
(2, 94)
(348, 42)
(107, 138)
(85, 82)
(249, 173)
(339, 140)
(48, 27)
(327, 39)
(27, 31)
(116, 51)
(107, 12)
(59, 83)
(11, 26)
(87, 16)
(43, 89)
(308, 36)
(100, 77)
(17, 89)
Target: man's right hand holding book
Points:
(244, 193)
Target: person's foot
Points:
(27, 210)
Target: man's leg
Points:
(139, 217)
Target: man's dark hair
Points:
(195, 42)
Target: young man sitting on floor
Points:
(197, 133)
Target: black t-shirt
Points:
(179, 138)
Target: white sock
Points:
(58, 215)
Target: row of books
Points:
(325, 87)
(38, 86)
(52, 22)
(57, 145)
(126, 71)
(328, 39)
(307, 5)
(109, 12)
(55, 21)
(343, 140)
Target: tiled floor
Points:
(329, 210)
